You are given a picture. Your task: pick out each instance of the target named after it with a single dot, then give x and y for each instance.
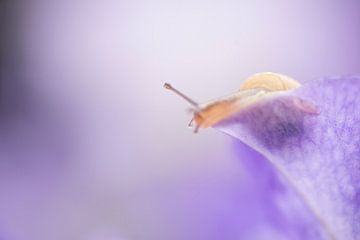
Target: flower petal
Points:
(311, 135)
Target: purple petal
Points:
(285, 210)
(318, 154)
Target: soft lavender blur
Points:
(92, 146)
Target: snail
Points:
(255, 88)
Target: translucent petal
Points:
(312, 136)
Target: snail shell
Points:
(269, 81)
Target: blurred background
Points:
(93, 147)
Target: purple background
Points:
(92, 146)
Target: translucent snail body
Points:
(254, 89)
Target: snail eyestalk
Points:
(177, 92)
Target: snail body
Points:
(252, 90)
